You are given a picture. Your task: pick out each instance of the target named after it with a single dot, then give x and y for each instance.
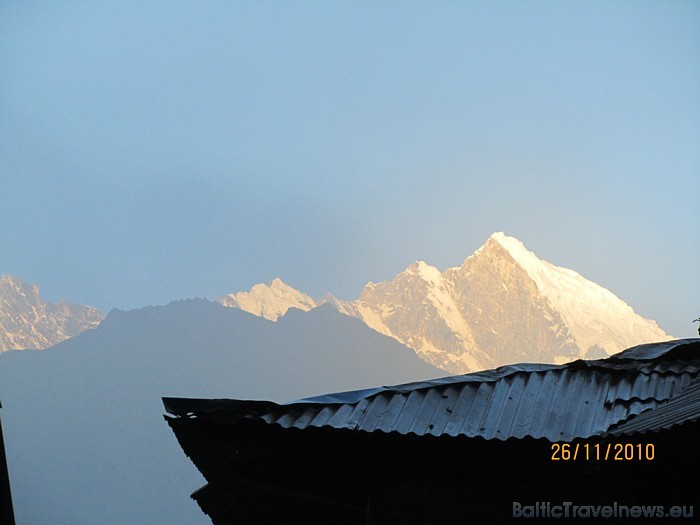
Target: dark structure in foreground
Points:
(7, 514)
(621, 431)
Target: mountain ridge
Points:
(502, 305)
(92, 404)
(269, 301)
(27, 322)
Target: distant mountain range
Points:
(27, 322)
(91, 404)
(502, 305)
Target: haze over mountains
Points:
(502, 305)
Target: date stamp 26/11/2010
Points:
(602, 452)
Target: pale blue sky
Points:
(151, 151)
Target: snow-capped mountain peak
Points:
(269, 301)
(426, 272)
(546, 275)
(582, 302)
(524, 257)
(502, 305)
(27, 322)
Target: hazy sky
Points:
(151, 151)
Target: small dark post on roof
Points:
(7, 514)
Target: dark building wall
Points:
(261, 473)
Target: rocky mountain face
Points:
(27, 322)
(269, 302)
(503, 305)
(481, 315)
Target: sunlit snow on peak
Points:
(581, 302)
(502, 304)
(426, 272)
(269, 301)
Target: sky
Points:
(153, 151)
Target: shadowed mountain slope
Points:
(85, 438)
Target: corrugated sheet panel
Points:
(681, 409)
(679, 356)
(652, 351)
(556, 402)
(560, 406)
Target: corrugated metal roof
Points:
(556, 402)
(681, 409)
(668, 357)
(652, 351)
(559, 405)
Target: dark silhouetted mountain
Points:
(85, 437)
